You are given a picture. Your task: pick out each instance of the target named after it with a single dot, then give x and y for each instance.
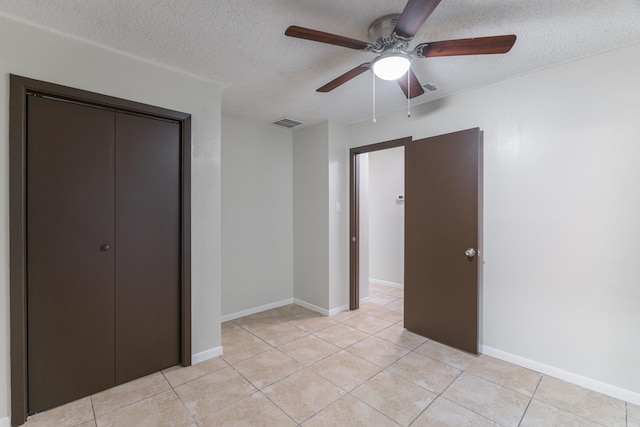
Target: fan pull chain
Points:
(409, 93)
(374, 97)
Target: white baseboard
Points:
(338, 309)
(288, 301)
(321, 310)
(206, 355)
(582, 381)
(255, 310)
(311, 306)
(365, 299)
(5, 422)
(386, 283)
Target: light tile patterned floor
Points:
(293, 367)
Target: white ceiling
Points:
(267, 76)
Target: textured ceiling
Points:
(266, 75)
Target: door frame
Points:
(20, 88)
(354, 213)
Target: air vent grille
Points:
(287, 123)
(430, 87)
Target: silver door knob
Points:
(470, 252)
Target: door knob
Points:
(470, 252)
(105, 248)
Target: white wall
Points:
(46, 56)
(338, 218)
(310, 215)
(363, 224)
(561, 209)
(386, 216)
(257, 215)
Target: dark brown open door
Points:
(441, 224)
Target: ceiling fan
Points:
(390, 36)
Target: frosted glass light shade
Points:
(391, 66)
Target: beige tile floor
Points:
(293, 367)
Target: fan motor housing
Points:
(381, 29)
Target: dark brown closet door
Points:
(147, 245)
(70, 222)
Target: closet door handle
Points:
(105, 248)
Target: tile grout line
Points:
(424, 410)
(565, 411)
(568, 411)
(308, 333)
(341, 387)
(329, 380)
(260, 390)
(385, 368)
(503, 386)
(319, 360)
(322, 409)
(199, 376)
(436, 360)
(130, 403)
(441, 394)
(362, 401)
(341, 348)
(278, 406)
(178, 396)
(530, 400)
(93, 409)
(225, 406)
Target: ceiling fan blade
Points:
(344, 78)
(475, 46)
(416, 87)
(322, 37)
(413, 16)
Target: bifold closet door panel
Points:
(147, 245)
(70, 257)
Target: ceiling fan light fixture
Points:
(391, 66)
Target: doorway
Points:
(381, 244)
(355, 270)
(442, 262)
(69, 146)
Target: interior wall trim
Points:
(386, 283)
(254, 310)
(321, 310)
(261, 308)
(206, 355)
(5, 422)
(337, 310)
(310, 306)
(572, 377)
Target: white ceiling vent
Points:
(287, 123)
(430, 87)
